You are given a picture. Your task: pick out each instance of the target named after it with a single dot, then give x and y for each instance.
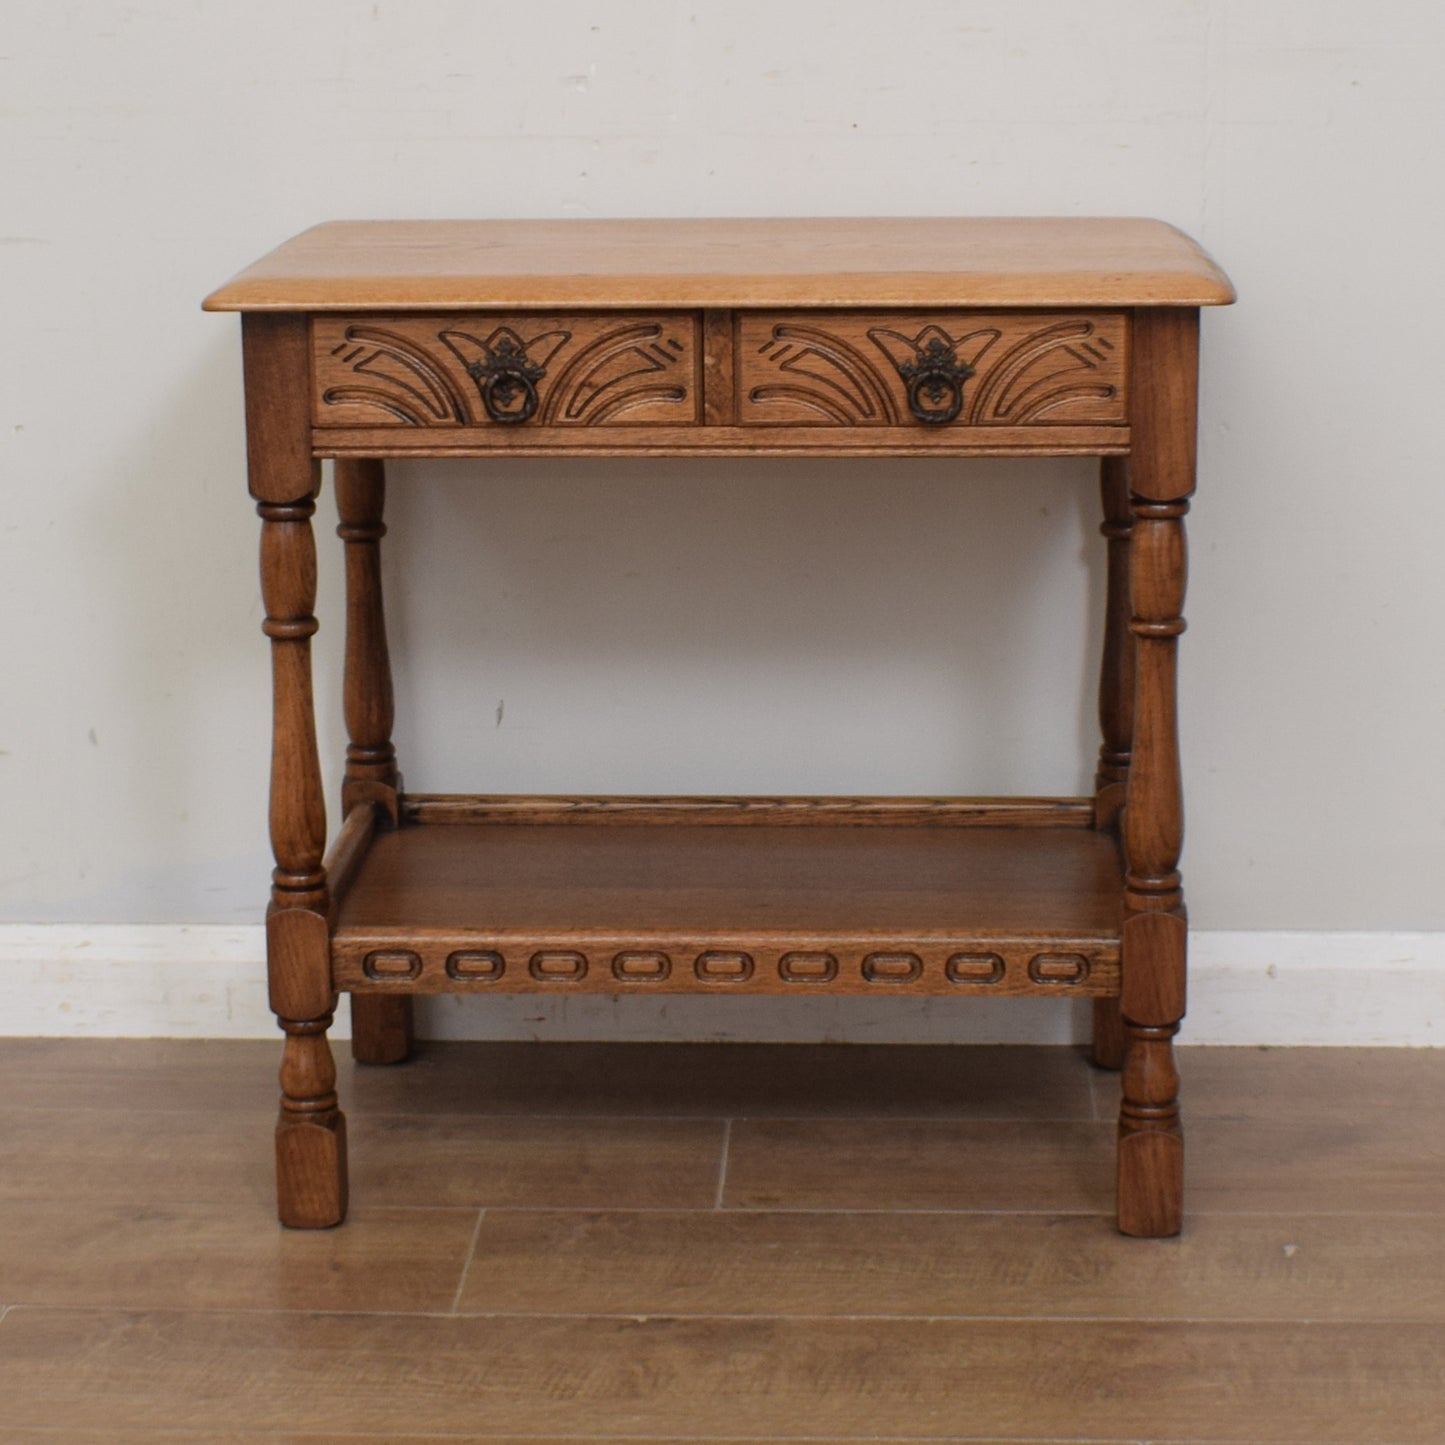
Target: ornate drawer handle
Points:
(508, 369)
(935, 378)
(500, 387)
(501, 377)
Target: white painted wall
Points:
(719, 625)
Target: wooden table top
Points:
(427, 265)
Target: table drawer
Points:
(934, 371)
(520, 371)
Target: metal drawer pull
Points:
(507, 369)
(929, 364)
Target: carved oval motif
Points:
(807, 968)
(558, 966)
(641, 966)
(893, 968)
(475, 966)
(975, 968)
(721, 966)
(1059, 968)
(386, 965)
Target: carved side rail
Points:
(444, 962)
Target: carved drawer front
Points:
(931, 371)
(518, 371)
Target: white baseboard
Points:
(208, 981)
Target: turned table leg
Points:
(1161, 480)
(381, 1024)
(1116, 711)
(311, 1130)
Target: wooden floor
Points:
(710, 1243)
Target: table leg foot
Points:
(311, 1131)
(381, 1028)
(311, 1172)
(1151, 1184)
(1151, 1143)
(1107, 1051)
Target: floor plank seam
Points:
(1103, 1212)
(812, 1317)
(363, 1115)
(359, 1111)
(1098, 1211)
(469, 1207)
(1380, 1211)
(722, 1164)
(1024, 1120)
(186, 1433)
(467, 1262)
(674, 1316)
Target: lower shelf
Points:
(652, 902)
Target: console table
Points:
(832, 338)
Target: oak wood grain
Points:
(104, 1156)
(846, 1379)
(1317, 1085)
(676, 908)
(90, 1075)
(131, 1122)
(720, 382)
(850, 368)
(852, 881)
(452, 1161)
(936, 261)
(310, 1135)
(1116, 710)
(275, 361)
(348, 849)
(835, 1263)
(1033, 337)
(945, 1164)
(22, 1435)
(1323, 1323)
(469, 1161)
(1116, 663)
(1164, 366)
(1348, 1164)
(548, 369)
(1063, 440)
(228, 1256)
(774, 811)
(588, 1080)
(371, 771)
(382, 1029)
